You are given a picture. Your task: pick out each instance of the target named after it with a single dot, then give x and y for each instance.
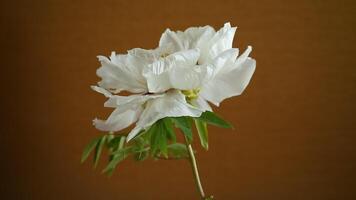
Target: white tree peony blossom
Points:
(178, 78)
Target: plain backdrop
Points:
(295, 123)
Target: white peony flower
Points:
(187, 70)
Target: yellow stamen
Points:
(191, 94)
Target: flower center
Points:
(191, 94)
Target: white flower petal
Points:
(184, 58)
(244, 55)
(129, 101)
(187, 78)
(157, 76)
(230, 83)
(163, 74)
(170, 38)
(196, 37)
(184, 74)
(210, 42)
(225, 60)
(128, 109)
(221, 41)
(116, 77)
(143, 56)
(102, 91)
(118, 120)
(201, 104)
(172, 104)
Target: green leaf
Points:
(144, 134)
(141, 155)
(122, 142)
(202, 132)
(141, 148)
(118, 156)
(98, 150)
(114, 143)
(185, 125)
(89, 148)
(110, 137)
(162, 141)
(213, 119)
(126, 150)
(167, 122)
(154, 142)
(158, 138)
(178, 150)
(139, 142)
(141, 152)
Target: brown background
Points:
(295, 135)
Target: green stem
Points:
(195, 168)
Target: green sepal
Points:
(163, 138)
(141, 152)
(98, 150)
(114, 142)
(177, 150)
(118, 156)
(169, 129)
(141, 156)
(202, 132)
(89, 148)
(154, 140)
(185, 125)
(213, 119)
(110, 137)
